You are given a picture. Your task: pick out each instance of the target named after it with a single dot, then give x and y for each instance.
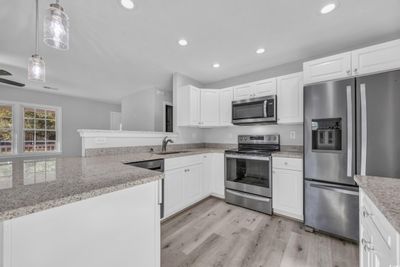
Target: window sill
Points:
(28, 155)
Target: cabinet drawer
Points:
(181, 162)
(370, 215)
(287, 164)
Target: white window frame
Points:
(18, 129)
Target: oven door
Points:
(256, 110)
(250, 174)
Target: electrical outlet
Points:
(292, 135)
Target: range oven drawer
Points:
(253, 202)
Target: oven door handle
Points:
(234, 156)
(241, 194)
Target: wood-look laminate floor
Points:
(214, 233)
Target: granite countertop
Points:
(384, 192)
(29, 185)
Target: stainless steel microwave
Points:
(254, 110)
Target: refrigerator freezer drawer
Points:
(332, 208)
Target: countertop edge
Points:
(381, 207)
(23, 211)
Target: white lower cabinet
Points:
(379, 241)
(121, 228)
(191, 179)
(287, 187)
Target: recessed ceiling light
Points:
(216, 65)
(128, 4)
(183, 42)
(260, 50)
(328, 8)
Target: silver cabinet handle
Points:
(355, 70)
(348, 72)
(366, 214)
(363, 129)
(367, 245)
(349, 132)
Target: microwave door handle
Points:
(265, 108)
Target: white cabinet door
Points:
(287, 193)
(377, 58)
(173, 191)
(290, 99)
(209, 108)
(208, 174)
(192, 184)
(243, 91)
(264, 88)
(365, 254)
(194, 106)
(328, 68)
(188, 106)
(225, 107)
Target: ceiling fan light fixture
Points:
(56, 27)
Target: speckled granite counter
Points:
(384, 192)
(31, 185)
(289, 152)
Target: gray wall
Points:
(77, 113)
(143, 110)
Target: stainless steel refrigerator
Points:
(351, 127)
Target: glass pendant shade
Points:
(56, 28)
(36, 69)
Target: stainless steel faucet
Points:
(165, 143)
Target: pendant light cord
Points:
(37, 25)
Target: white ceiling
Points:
(114, 51)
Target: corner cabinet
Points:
(290, 99)
(225, 107)
(379, 241)
(373, 59)
(188, 106)
(287, 187)
(209, 107)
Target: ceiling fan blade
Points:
(4, 73)
(11, 82)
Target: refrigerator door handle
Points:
(336, 189)
(363, 97)
(349, 132)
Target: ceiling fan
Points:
(9, 82)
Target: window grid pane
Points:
(6, 129)
(40, 133)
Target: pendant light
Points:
(36, 66)
(56, 27)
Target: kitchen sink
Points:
(170, 152)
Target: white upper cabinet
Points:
(264, 88)
(209, 107)
(256, 89)
(368, 60)
(328, 68)
(290, 99)
(243, 91)
(188, 106)
(225, 106)
(376, 58)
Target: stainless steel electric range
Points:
(248, 172)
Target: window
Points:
(39, 130)
(29, 129)
(6, 129)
